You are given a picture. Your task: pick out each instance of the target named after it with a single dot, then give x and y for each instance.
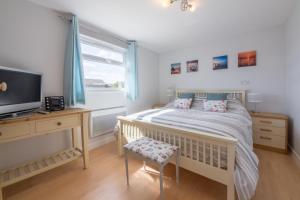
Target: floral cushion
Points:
(154, 150)
(183, 103)
(215, 106)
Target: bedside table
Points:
(270, 131)
(158, 105)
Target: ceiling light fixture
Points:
(185, 4)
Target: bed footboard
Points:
(206, 154)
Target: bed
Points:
(215, 145)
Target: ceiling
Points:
(164, 29)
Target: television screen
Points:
(20, 87)
(19, 90)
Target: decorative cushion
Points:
(217, 96)
(183, 103)
(186, 96)
(154, 150)
(215, 106)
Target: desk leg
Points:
(75, 138)
(1, 193)
(85, 139)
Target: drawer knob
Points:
(265, 138)
(59, 123)
(0, 134)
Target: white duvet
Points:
(236, 123)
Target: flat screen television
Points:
(20, 91)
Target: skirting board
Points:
(101, 140)
(296, 155)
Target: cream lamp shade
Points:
(255, 98)
(170, 93)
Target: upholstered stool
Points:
(155, 152)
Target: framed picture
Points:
(247, 59)
(220, 62)
(192, 66)
(175, 68)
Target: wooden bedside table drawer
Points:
(269, 130)
(269, 140)
(269, 122)
(8, 132)
(57, 123)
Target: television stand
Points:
(37, 125)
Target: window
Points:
(104, 66)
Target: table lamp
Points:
(170, 93)
(255, 98)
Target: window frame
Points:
(84, 39)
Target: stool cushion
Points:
(154, 150)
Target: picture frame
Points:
(175, 68)
(220, 62)
(192, 66)
(247, 59)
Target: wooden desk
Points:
(37, 125)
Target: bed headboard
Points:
(202, 93)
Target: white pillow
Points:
(215, 105)
(183, 103)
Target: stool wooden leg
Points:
(126, 166)
(161, 175)
(177, 166)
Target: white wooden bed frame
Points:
(200, 151)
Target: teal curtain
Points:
(73, 72)
(132, 78)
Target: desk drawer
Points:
(269, 122)
(270, 130)
(57, 123)
(12, 131)
(269, 140)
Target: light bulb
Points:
(165, 3)
(192, 8)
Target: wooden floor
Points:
(280, 180)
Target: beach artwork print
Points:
(220, 62)
(247, 59)
(175, 68)
(192, 66)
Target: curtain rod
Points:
(95, 29)
(67, 19)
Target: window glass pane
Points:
(101, 52)
(103, 75)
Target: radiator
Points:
(103, 121)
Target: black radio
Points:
(54, 103)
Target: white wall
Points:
(268, 77)
(293, 72)
(34, 38)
